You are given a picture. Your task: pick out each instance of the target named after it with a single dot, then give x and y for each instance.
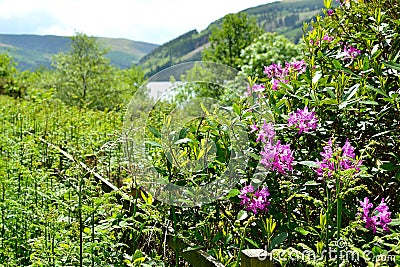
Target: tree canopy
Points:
(236, 32)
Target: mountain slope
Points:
(285, 17)
(33, 51)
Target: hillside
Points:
(33, 51)
(285, 17)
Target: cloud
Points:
(156, 21)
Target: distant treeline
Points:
(282, 17)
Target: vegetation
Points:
(268, 48)
(35, 51)
(300, 160)
(283, 17)
(226, 43)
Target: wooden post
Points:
(255, 258)
(196, 257)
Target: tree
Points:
(84, 75)
(237, 31)
(268, 48)
(10, 80)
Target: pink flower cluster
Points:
(327, 39)
(303, 120)
(255, 201)
(280, 74)
(277, 156)
(350, 52)
(380, 216)
(346, 160)
(257, 88)
(274, 155)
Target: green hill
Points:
(33, 51)
(285, 17)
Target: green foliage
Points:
(358, 94)
(286, 17)
(227, 41)
(268, 48)
(11, 82)
(86, 78)
(53, 212)
(35, 51)
(283, 17)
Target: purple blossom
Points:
(346, 159)
(328, 38)
(350, 52)
(278, 157)
(280, 74)
(243, 194)
(330, 12)
(275, 84)
(379, 217)
(255, 88)
(298, 66)
(275, 71)
(255, 201)
(266, 133)
(303, 120)
(253, 128)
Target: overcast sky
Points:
(154, 21)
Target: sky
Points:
(153, 21)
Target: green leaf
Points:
(316, 78)
(311, 164)
(233, 193)
(302, 231)
(369, 102)
(337, 64)
(394, 222)
(352, 92)
(389, 166)
(329, 101)
(252, 242)
(183, 141)
(153, 143)
(392, 65)
(311, 183)
(379, 91)
(236, 108)
(155, 132)
(278, 239)
(241, 215)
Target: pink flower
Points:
(266, 134)
(328, 38)
(330, 12)
(254, 88)
(298, 66)
(350, 52)
(253, 128)
(275, 71)
(278, 157)
(255, 201)
(346, 159)
(303, 120)
(379, 217)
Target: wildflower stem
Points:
(338, 218)
(328, 212)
